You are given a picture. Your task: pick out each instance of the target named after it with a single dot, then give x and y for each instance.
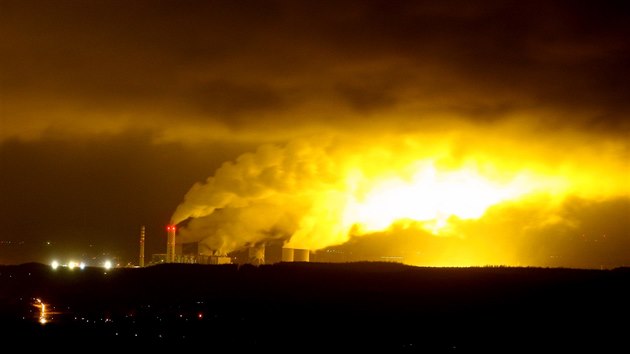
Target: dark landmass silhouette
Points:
(293, 307)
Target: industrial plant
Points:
(191, 253)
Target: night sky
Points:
(110, 111)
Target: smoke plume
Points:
(321, 191)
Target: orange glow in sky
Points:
(431, 197)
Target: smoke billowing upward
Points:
(323, 191)
(276, 192)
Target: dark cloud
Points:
(366, 99)
(221, 98)
(224, 60)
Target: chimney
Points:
(170, 244)
(141, 259)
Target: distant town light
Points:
(82, 265)
(54, 264)
(107, 265)
(72, 265)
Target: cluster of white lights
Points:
(73, 264)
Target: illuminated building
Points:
(158, 258)
(213, 259)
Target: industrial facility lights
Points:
(81, 265)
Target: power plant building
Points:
(256, 254)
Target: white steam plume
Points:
(313, 192)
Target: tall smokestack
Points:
(170, 244)
(141, 259)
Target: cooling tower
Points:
(170, 244)
(257, 254)
(301, 255)
(287, 254)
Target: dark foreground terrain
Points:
(297, 307)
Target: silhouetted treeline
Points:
(354, 306)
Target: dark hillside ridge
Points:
(353, 306)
